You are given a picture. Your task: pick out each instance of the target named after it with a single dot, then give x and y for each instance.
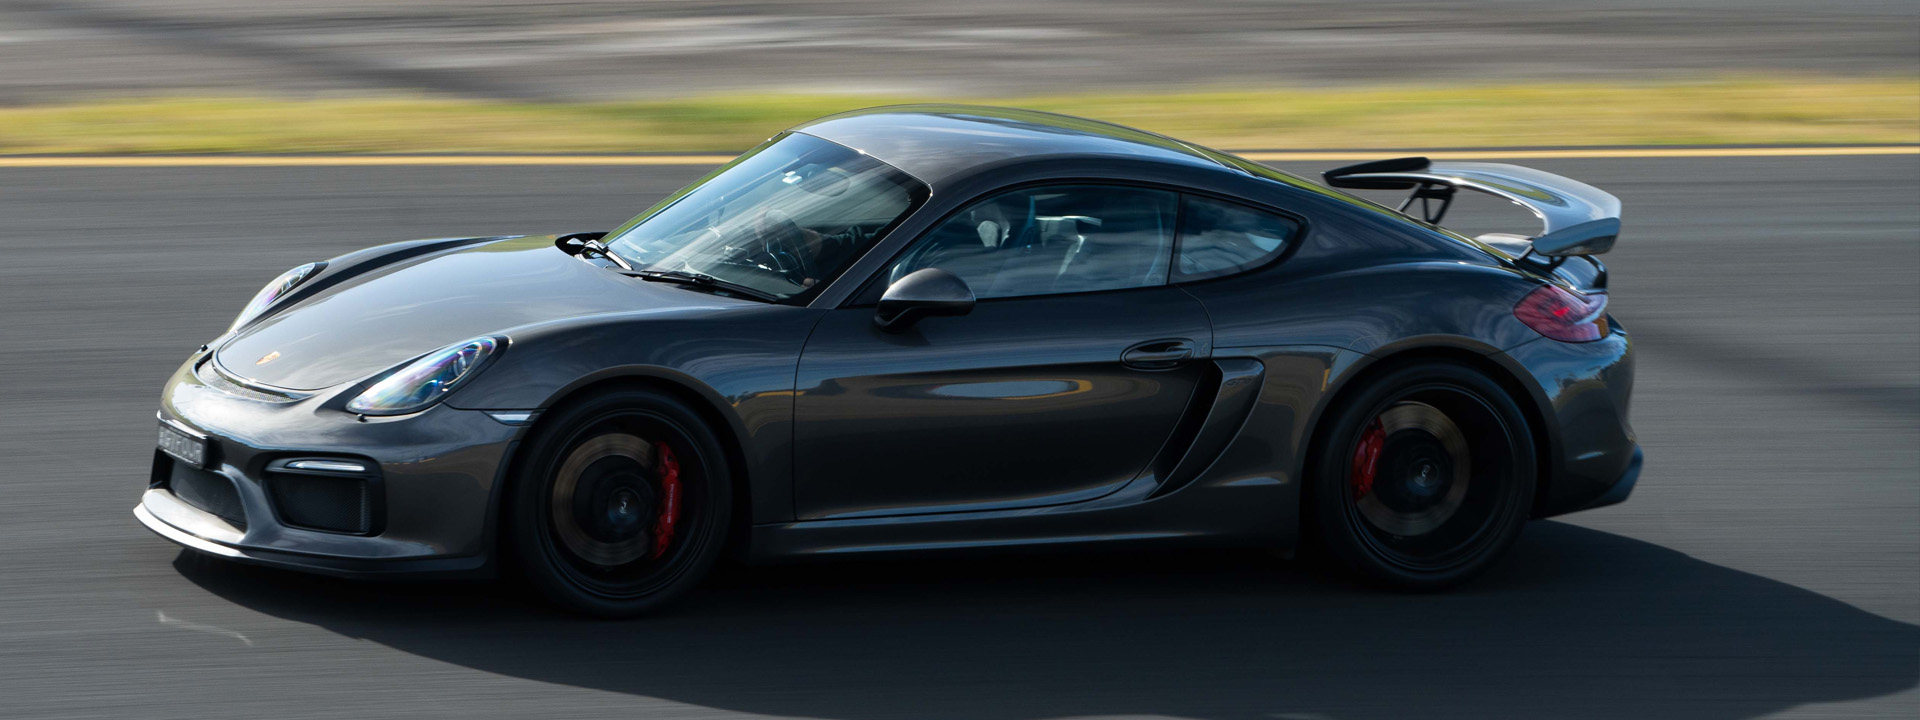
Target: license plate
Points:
(189, 449)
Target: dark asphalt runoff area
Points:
(1768, 564)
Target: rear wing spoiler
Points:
(1579, 219)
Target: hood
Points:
(371, 322)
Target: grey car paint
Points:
(814, 402)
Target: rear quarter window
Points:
(1222, 238)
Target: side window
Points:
(1050, 240)
(1222, 238)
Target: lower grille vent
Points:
(322, 502)
(209, 491)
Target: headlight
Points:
(274, 291)
(419, 384)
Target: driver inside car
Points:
(806, 256)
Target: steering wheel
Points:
(784, 242)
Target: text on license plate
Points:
(183, 447)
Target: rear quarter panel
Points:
(1363, 287)
(1368, 283)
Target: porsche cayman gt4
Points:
(923, 328)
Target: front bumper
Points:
(431, 484)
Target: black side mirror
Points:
(922, 293)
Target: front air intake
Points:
(207, 490)
(332, 498)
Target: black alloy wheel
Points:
(1425, 478)
(621, 505)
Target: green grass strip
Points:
(1803, 110)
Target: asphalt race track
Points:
(1769, 563)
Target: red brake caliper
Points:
(1366, 458)
(670, 503)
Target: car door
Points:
(1064, 381)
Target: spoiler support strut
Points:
(1427, 192)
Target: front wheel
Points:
(1425, 477)
(622, 504)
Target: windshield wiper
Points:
(596, 247)
(700, 279)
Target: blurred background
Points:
(109, 76)
(1767, 153)
(596, 50)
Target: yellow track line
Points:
(171, 161)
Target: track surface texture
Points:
(1769, 562)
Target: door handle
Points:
(1158, 354)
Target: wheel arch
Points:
(1496, 365)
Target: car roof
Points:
(935, 142)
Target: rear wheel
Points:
(1425, 478)
(622, 504)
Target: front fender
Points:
(740, 362)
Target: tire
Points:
(621, 505)
(1424, 479)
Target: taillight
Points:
(1562, 315)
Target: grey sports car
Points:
(922, 328)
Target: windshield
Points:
(785, 219)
